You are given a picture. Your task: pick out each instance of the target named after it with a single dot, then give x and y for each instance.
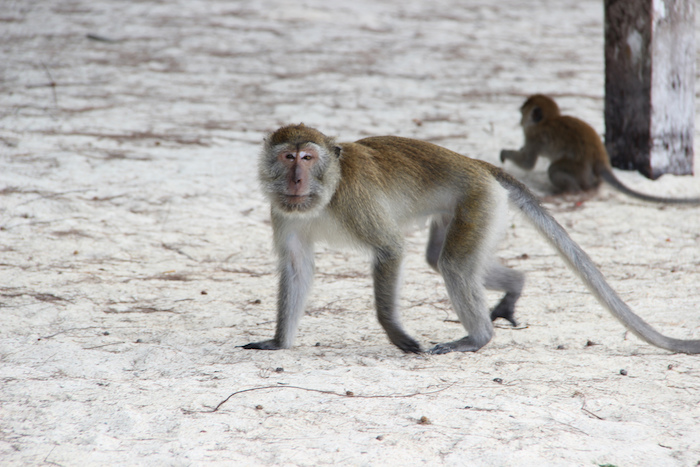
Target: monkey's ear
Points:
(537, 115)
(337, 150)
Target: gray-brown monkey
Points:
(578, 157)
(363, 192)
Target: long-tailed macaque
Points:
(363, 192)
(578, 157)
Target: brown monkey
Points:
(363, 192)
(578, 156)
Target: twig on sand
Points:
(339, 394)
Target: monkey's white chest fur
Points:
(323, 227)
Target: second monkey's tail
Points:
(613, 181)
(583, 266)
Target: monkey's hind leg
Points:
(466, 246)
(571, 177)
(497, 277)
(436, 239)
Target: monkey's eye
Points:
(307, 157)
(289, 156)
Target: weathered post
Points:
(650, 85)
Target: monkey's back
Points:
(572, 139)
(397, 161)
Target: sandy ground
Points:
(136, 251)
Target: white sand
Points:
(136, 245)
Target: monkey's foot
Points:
(264, 345)
(466, 344)
(506, 310)
(407, 344)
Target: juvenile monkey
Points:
(578, 157)
(363, 192)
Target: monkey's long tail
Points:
(584, 267)
(610, 177)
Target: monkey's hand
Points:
(264, 345)
(507, 154)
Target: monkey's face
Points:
(531, 115)
(292, 176)
(298, 166)
(537, 108)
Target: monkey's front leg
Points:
(499, 277)
(387, 265)
(296, 270)
(525, 158)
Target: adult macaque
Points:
(578, 157)
(364, 192)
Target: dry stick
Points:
(51, 195)
(583, 406)
(47, 456)
(346, 394)
(68, 330)
(103, 345)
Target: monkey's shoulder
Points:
(575, 124)
(400, 144)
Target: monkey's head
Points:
(299, 169)
(538, 108)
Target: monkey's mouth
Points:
(296, 199)
(297, 202)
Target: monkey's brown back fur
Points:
(396, 163)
